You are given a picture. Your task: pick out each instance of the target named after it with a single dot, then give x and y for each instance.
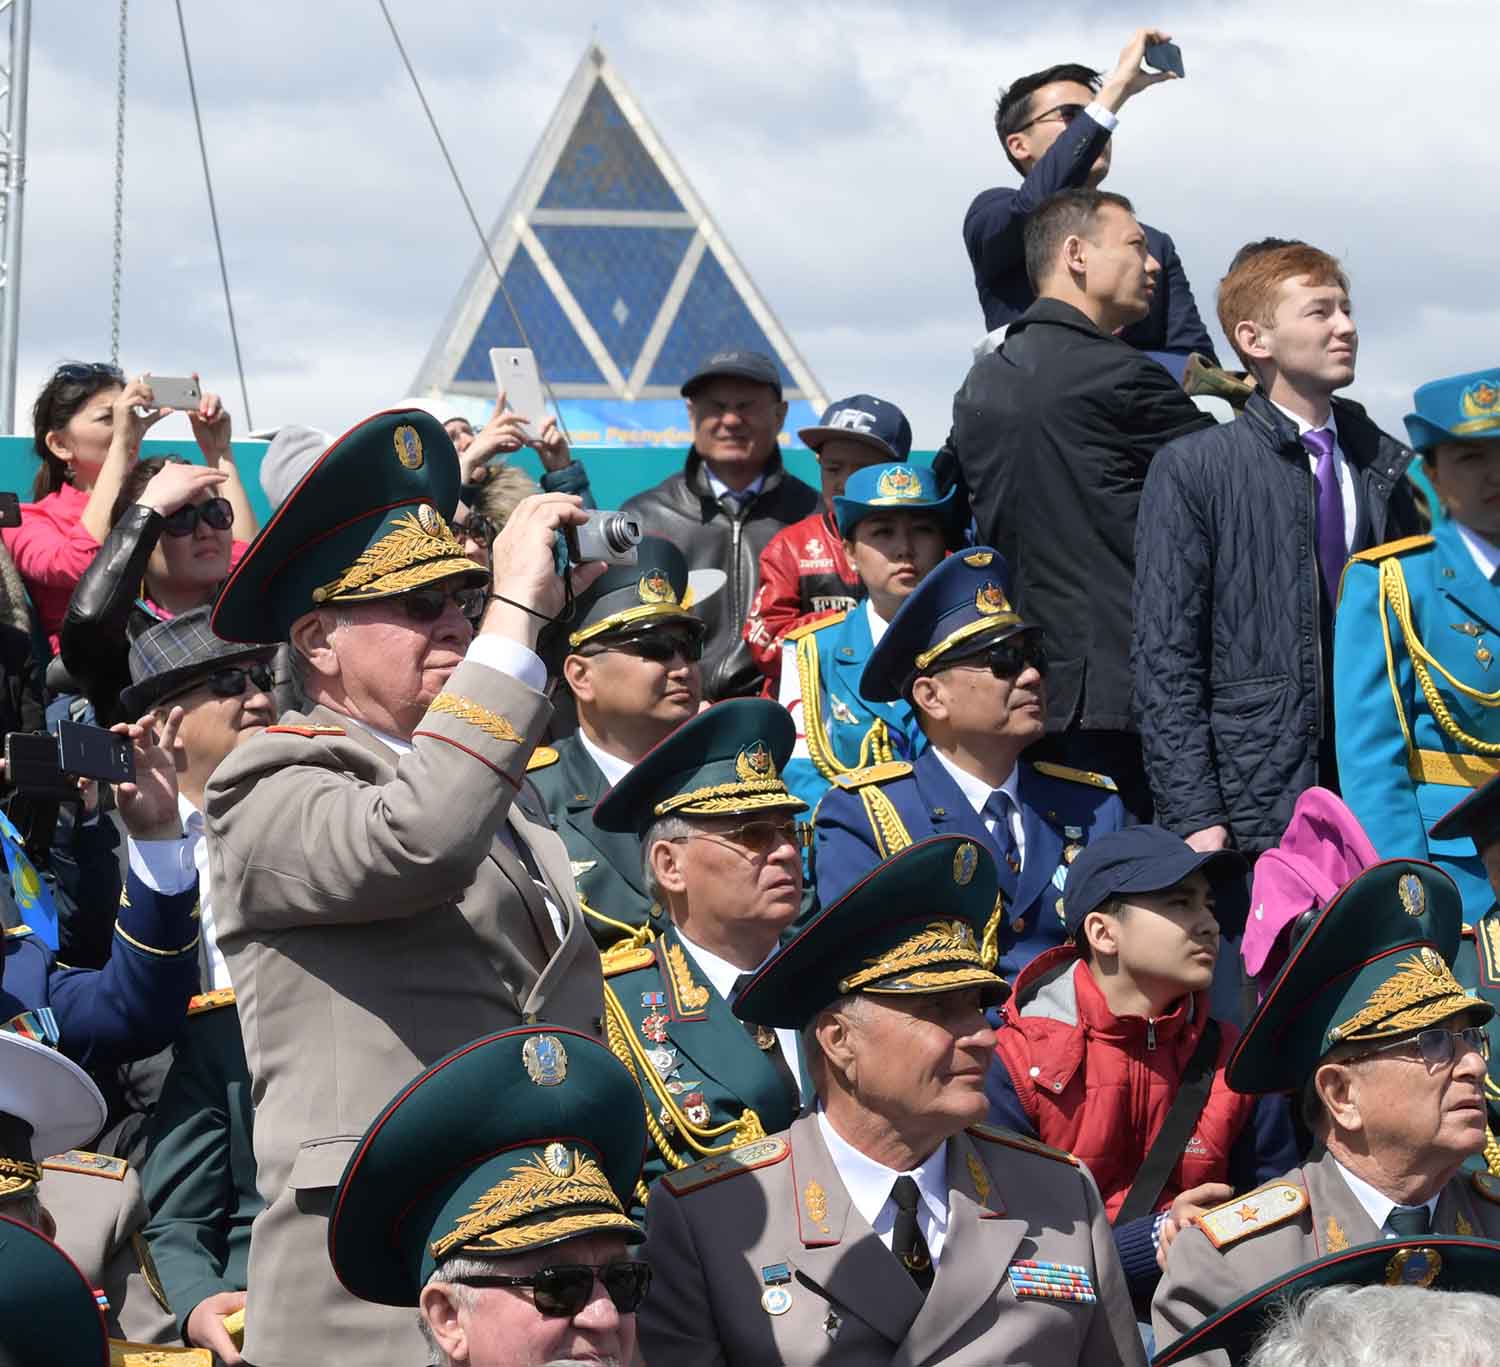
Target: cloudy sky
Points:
(837, 146)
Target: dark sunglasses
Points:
(563, 1290)
(1438, 1047)
(1066, 113)
(759, 837)
(425, 606)
(1010, 659)
(230, 682)
(657, 646)
(217, 512)
(75, 372)
(480, 527)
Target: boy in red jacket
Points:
(1102, 1033)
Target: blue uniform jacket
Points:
(820, 687)
(1402, 762)
(131, 1008)
(1061, 811)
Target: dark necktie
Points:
(998, 809)
(1409, 1222)
(1332, 548)
(907, 1242)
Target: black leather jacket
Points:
(713, 534)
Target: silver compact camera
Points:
(608, 536)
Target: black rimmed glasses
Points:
(1437, 1048)
(217, 513)
(562, 1290)
(1065, 113)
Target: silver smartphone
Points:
(168, 391)
(516, 374)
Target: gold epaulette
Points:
(873, 773)
(15, 932)
(625, 958)
(1488, 1186)
(210, 1001)
(544, 756)
(812, 624)
(1071, 775)
(90, 1164)
(995, 1135)
(759, 1153)
(1390, 548)
(122, 1354)
(306, 732)
(1264, 1208)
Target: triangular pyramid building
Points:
(622, 280)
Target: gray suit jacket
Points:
(713, 1228)
(1325, 1217)
(373, 920)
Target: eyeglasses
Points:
(478, 526)
(1438, 1047)
(759, 837)
(230, 683)
(78, 371)
(217, 512)
(425, 606)
(1065, 113)
(1010, 659)
(563, 1290)
(657, 646)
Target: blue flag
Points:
(33, 896)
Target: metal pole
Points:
(15, 180)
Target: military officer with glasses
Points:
(629, 658)
(1367, 1024)
(974, 675)
(385, 885)
(491, 1195)
(721, 854)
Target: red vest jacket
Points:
(1100, 1085)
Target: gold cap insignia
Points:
(1412, 894)
(430, 520)
(754, 763)
(546, 1060)
(978, 559)
(991, 599)
(409, 447)
(655, 587)
(1481, 399)
(418, 549)
(899, 484)
(558, 1160)
(965, 861)
(1414, 1267)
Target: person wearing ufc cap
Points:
(804, 569)
(727, 502)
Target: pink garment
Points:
(1322, 848)
(52, 548)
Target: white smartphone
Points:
(169, 391)
(516, 374)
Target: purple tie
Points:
(1332, 551)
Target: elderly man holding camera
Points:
(385, 889)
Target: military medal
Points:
(663, 1060)
(841, 711)
(832, 1323)
(765, 1037)
(653, 999)
(695, 1108)
(776, 1299)
(654, 1027)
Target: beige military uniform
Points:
(759, 1257)
(373, 920)
(1308, 1213)
(100, 1213)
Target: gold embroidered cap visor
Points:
(1374, 966)
(369, 520)
(48, 1311)
(913, 925)
(48, 1105)
(726, 761)
(516, 1141)
(1439, 1262)
(658, 588)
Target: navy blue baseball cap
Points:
(736, 365)
(1137, 859)
(864, 419)
(957, 610)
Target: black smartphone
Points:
(1165, 57)
(10, 509)
(32, 766)
(92, 752)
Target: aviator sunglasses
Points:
(562, 1290)
(1010, 659)
(657, 646)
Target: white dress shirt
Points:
(978, 793)
(876, 622)
(1341, 468)
(611, 766)
(722, 976)
(1378, 1206)
(192, 827)
(869, 1186)
(1485, 553)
